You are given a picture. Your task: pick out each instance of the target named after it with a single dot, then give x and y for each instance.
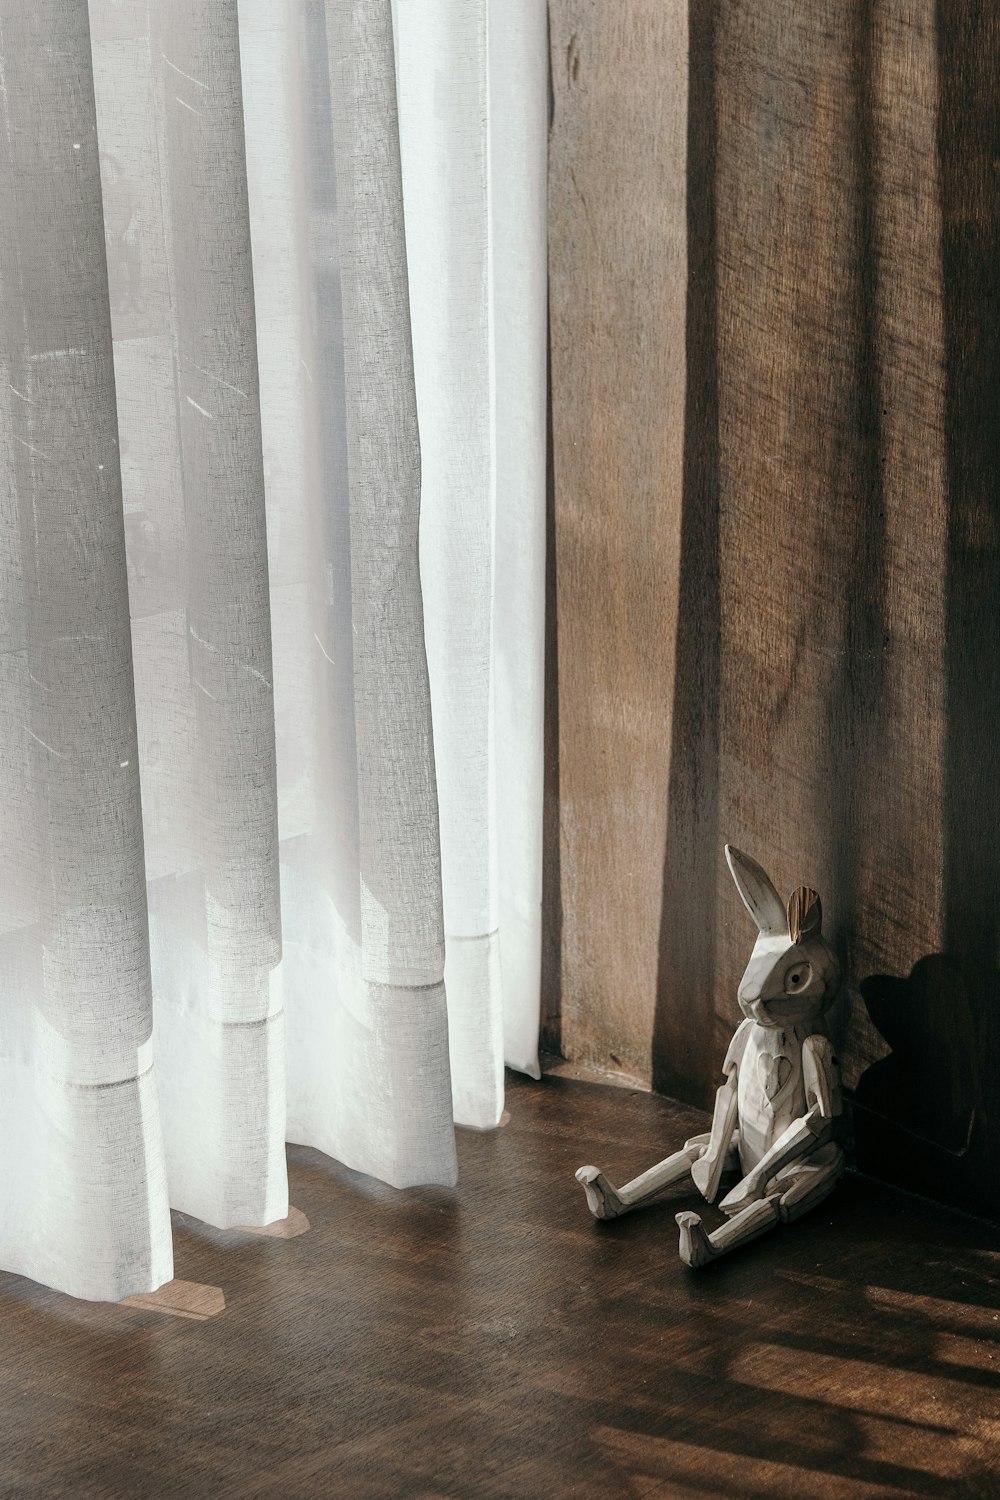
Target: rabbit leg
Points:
(697, 1247)
(791, 1193)
(803, 1184)
(608, 1202)
(800, 1140)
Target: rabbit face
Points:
(793, 974)
(787, 983)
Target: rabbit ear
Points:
(805, 914)
(759, 896)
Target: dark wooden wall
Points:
(775, 541)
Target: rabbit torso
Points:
(770, 1091)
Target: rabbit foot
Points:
(602, 1199)
(695, 1247)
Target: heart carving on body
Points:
(774, 1071)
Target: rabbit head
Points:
(793, 974)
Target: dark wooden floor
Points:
(495, 1341)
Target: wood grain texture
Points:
(832, 499)
(494, 1342)
(617, 368)
(825, 644)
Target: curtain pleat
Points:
(368, 1078)
(170, 122)
(443, 103)
(290, 577)
(518, 155)
(83, 1200)
(473, 129)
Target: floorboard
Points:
(494, 1341)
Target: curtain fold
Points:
(444, 114)
(361, 879)
(473, 90)
(518, 158)
(170, 130)
(83, 1199)
(279, 230)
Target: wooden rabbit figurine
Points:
(775, 1112)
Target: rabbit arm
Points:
(707, 1170)
(801, 1137)
(737, 1047)
(820, 1075)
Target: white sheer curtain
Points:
(263, 328)
(472, 101)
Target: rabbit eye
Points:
(797, 978)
